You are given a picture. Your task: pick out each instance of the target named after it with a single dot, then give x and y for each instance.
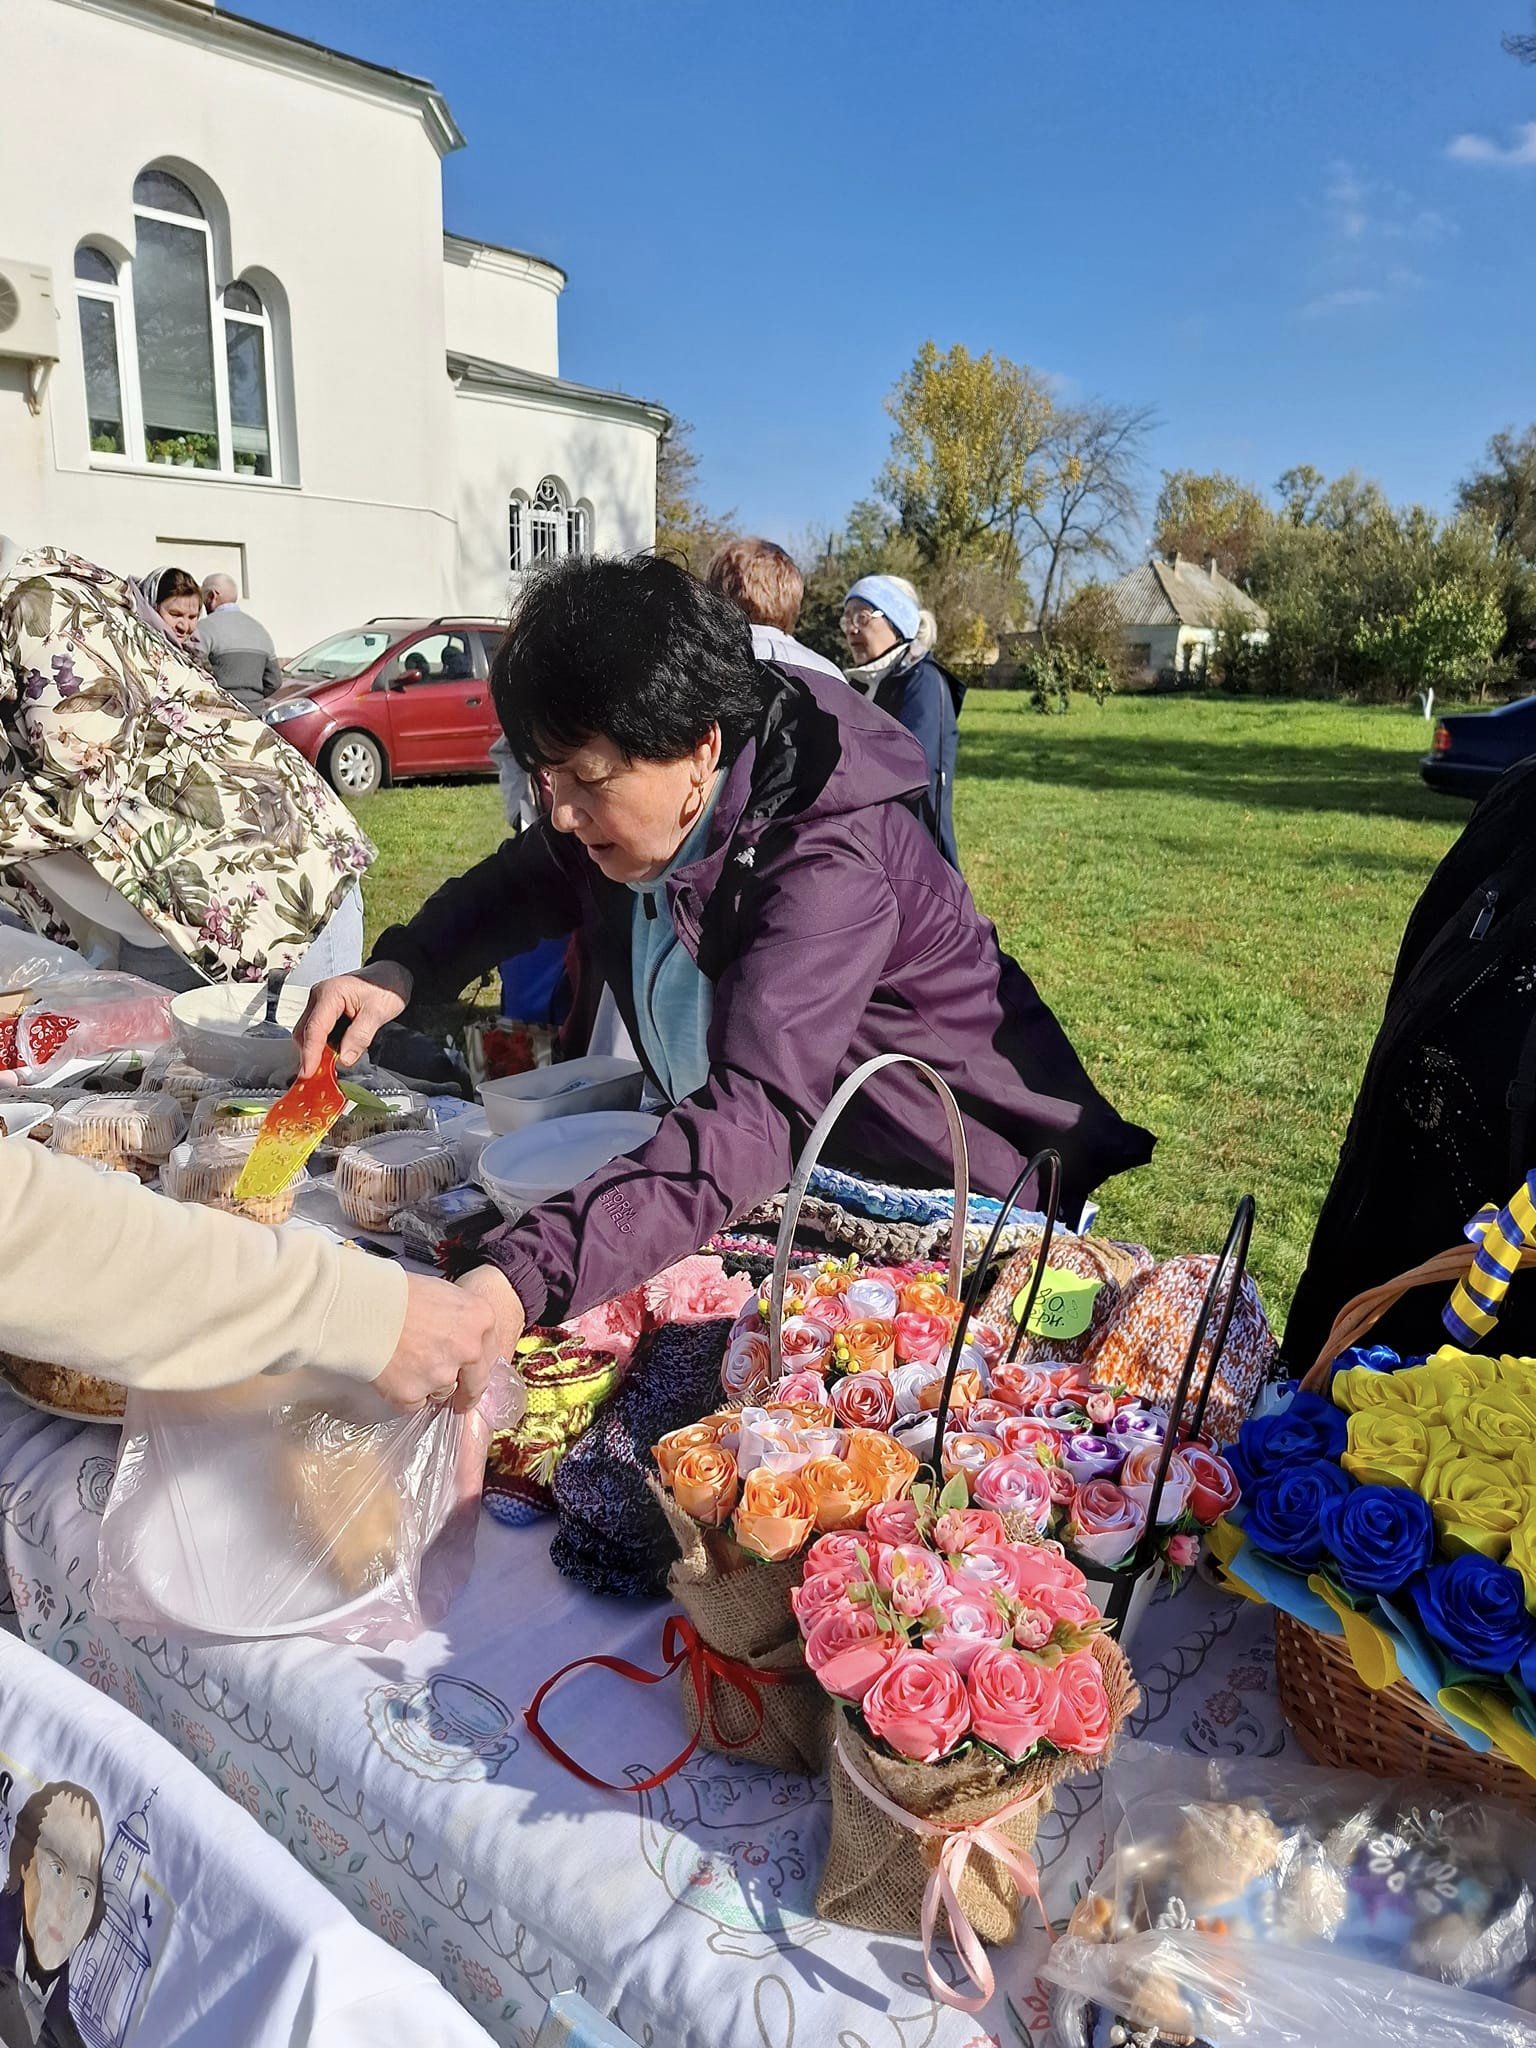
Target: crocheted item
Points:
(1145, 1345)
(880, 1200)
(889, 1243)
(1114, 1265)
(613, 1538)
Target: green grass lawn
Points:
(1210, 895)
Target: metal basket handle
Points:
(809, 1157)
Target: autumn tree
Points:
(1090, 501)
(1208, 513)
(1503, 491)
(685, 532)
(968, 457)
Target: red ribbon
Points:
(681, 1644)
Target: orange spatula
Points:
(294, 1126)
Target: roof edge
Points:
(480, 372)
(524, 257)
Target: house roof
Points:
(464, 248)
(1181, 593)
(477, 372)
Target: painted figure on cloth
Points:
(51, 1905)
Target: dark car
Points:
(393, 698)
(1472, 749)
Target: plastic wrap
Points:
(134, 1133)
(26, 961)
(231, 1112)
(385, 1174)
(83, 1017)
(292, 1504)
(394, 1109)
(207, 1168)
(1270, 1905)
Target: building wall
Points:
(502, 306)
(505, 443)
(333, 192)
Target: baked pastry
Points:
(346, 1500)
(58, 1386)
(388, 1173)
(132, 1133)
(208, 1169)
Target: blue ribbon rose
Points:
(1379, 1538)
(1474, 1610)
(1309, 1430)
(1285, 1512)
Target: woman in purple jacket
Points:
(739, 847)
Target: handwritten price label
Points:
(1064, 1306)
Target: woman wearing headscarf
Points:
(892, 640)
(146, 819)
(177, 602)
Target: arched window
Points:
(517, 532)
(100, 304)
(546, 524)
(173, 314)
(578, 529)
(546, 527)
(179, 371)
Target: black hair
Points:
(638, 652)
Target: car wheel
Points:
(354, 764)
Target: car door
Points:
(434, 697)
(489, 729)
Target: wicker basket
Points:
(1332, 1712)
(1338, 1720)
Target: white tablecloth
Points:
(408, 1783)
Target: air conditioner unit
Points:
(29, 319)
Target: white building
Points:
(1170, 612)
(237, 337)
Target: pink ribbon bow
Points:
(944, 1885)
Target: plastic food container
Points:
(134, 1133)
(524, 1168)
(402, 1111)
(206, 1170)
(188, 1084)
(17, 1117)
(573, 1088)
(387, 1173)
(232, 1112)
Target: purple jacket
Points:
(832, 929)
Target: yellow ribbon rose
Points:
(1494, 1422)
(1522, 1550)
(1390, 1446)
(1421, 1390)
(1477, 1503)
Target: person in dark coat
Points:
(892, 641)
(741, 849)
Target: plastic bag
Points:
(82, 1017)
(1264, 1904)
(26, 961)
(291, 1504)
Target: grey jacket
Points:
(241, 655)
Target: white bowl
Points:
(210, 1025)
(19, 1117)
(520, 1169)
(572, 1088)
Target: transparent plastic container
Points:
(387, 1173)
(206, 1170)
(133, 1133)
(232, 1112)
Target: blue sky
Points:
(1300, 231)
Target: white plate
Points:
(524, 1168)
(47, 1407)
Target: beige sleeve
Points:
(99, 1274)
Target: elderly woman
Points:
(178, 604)
(740, 851)
(892, 641)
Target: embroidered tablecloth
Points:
(407, 1782)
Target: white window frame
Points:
(517, 533)
(197, 222)
(121, 303)
(262, 321)
(560, 517)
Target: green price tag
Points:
(1064, 1306)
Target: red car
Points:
(396, 697)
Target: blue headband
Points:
(884, 594)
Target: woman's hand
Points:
(490, 1287)
(373, 997)
(448, 1344)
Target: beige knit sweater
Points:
(99, 1274)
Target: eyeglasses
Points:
(857, 617)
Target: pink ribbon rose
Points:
(1046, 1565)
(993, 1567)
(1013, 1700)
(1213, 1488)
(1029, 1433)
(804, 1342)
(839, 1547)
(1138, 1475)
(985, 1418)
(970, 1621)
(920, 1336)
(961, 1529)
(1023, 1385)
(893, 1521)
(1015, 1485)
(991, 1343)
(1080, 1720)
(801, 1386)
(912, 1576)
(1105, 1522)
(864, 1400)
(847, 1651)
(819, 1592)
(918, 1705)
(748, 1365)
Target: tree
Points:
(1446, 636)
(685, 531)
(1298, 491)
(1090, 501)
(968, 454)
(1503, 491)
(1201, 514)
(1521, 47)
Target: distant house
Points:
(1170, 612)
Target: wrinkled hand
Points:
(373, 997)
(489, 1286)
(447, 1346)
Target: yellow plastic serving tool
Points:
(293, 1127)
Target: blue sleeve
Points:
(924, 696)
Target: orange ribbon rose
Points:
(967, 1388)
(931, 1298)
(801, 1414)
(886, 1467)
(706, 1485)
(775, 1515)
(839, 1494)
(868, 1345)
(696, 1437)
